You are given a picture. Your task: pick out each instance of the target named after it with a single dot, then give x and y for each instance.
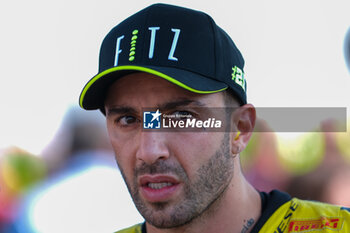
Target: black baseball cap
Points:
(181, 45)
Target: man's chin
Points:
(163, 216)
(165, 223)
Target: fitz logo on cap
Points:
(153, 41)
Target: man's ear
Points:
(244, 121)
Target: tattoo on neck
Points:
(247, 224)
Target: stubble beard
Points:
(213, 178)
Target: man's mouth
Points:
(158, 188)
(159, 185)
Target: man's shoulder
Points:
(301, 216)
(311, 208)
(133, 229)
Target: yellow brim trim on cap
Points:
(142, 69)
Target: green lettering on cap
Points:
(238, 76)
(133, 45)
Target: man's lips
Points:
(158, 188)
(146, 179)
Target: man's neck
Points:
(236, 211)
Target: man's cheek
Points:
(126, 163)
(126, 172)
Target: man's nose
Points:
(152, 147)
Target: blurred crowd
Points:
(312, 166)
(74, 185)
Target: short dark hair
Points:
(230, 99)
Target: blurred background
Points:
(57, 171)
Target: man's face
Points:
(173, 177)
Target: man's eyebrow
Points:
(120, 110)
(115, 110)
(180, 103)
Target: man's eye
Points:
(126, 120)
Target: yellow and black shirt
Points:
(283, 214)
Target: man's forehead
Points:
(144, 84)
(140, 78)
(139, 88)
